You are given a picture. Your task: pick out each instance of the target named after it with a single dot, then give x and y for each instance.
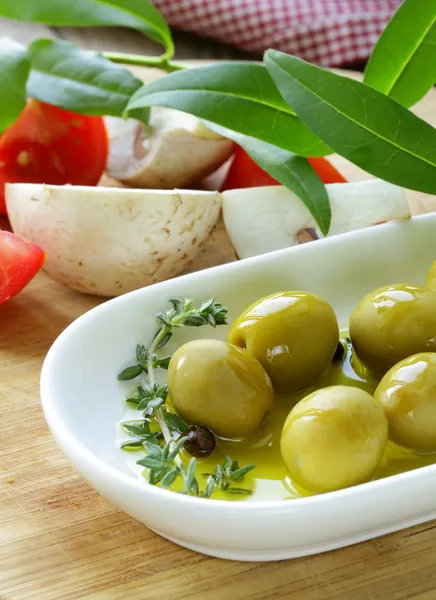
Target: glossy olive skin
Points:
(407, 394)
(334, 438)
(393, 323)
(430, 282)
(293, 335)
(219, 386)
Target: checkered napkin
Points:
(328, 32)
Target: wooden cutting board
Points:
(60, 540)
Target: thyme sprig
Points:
(163, 447)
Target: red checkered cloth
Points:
(328, 32)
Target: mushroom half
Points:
(260, 220)
(174, 150)
(108, 241)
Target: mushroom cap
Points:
(109, 241)
(264, 219)
(174, 150)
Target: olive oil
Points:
(270, 480)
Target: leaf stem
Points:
(156, 62)
(159, 413)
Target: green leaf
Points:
(175, 423)
(241, 472)
(238, 96)
(170, 478)
(403, 62)
(219, 475)
(177, 447)
(209, 487)
(130, 373)
(228, 465)
(368, 128)
(150, 463)
(156, 402)
(206, 305)
(292, 171)
(79, 80)
(239, 491)
(141, 353)
(14, 70)
(132, 445)
(136, 14)
(178, 305)
(190, 473)
(136, 428)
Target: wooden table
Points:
(60, 540)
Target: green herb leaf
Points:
(133, 400)
(190, 474)
(207, 304)
(227, 466)
(370, 129)
(130, 373)
(175, 423)
(239, 96)
(219, 475)
(153, 449)
(170, 478)
(132, 445)
(195, 320)
(137, 428)
(165, 339)
(150, 463)
(239, 473)
(178, 305)
(161, 361)
(157, 475)
(14, 70)
(163, 319)
(79, 80)
(141, 392)
(156, 403)
(177, 447)
(210, 486)
(141, 15)
(403, 62)
(238, 491)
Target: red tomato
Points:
(20, 261)
(245, 173)
(50, 145)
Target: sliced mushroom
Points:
(175, 150)
(260, 220)
(108, 241)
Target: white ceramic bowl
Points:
(82, 399)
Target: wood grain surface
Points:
(60, 540)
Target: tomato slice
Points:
(50, 145)
(20, 261)
(245, 173)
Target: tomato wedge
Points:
(245, 173)
(20, 261)
(50, 145)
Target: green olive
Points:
(393, 323)
(430, 282)
(219, 386)
(334, 438)
(294, 335)
(407, 394)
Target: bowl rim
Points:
(64, 436)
